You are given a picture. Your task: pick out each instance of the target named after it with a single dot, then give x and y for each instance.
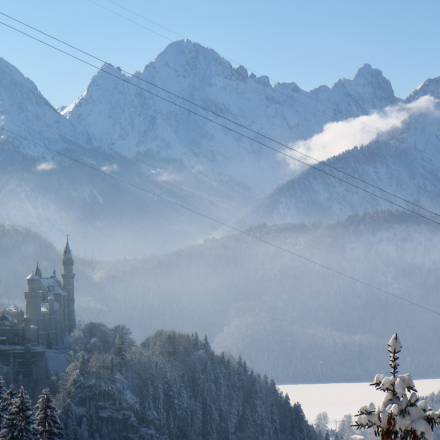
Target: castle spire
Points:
(37, 272)
(67, 252)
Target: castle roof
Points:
(67, 250)
(35, 274)
(6, 319)
(52, 285)
(38, 271)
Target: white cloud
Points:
(166, 176)
(45, 166)
(109, 168)
(337, 137)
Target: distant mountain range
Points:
(142, 140)
(135, 124)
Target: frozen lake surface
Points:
(338, 399)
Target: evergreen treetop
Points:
(18, 421)
(402, 414)
(47, 424)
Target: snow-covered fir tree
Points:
(5, 400)
(6, 404)
(345, 427)
(47, 424)
(18, 420)
(3, 387)
(321, 423)
(402, 414)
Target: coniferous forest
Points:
(19, 420)
(170, 387)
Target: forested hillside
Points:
(285, 316)
(170, 387)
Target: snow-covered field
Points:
(338, 399)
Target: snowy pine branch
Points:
(402, 414)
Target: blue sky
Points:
(309, 42)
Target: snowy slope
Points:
(429, 87)
(24, 110)
(47, 192)
(404, 161)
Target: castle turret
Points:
(69, 287)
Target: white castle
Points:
(50, 309)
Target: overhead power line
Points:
(321, 167)
(136, 23)
(144, 17)
(376, 289)
(153, 22)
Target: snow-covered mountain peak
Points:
(370, 86)
(187, 56)
(10, 74)
(14, 87)
(368, 73)
(135, 123)
(192, 61)
(429, 87)
(27, 118)
(106, 77)
(109, 93)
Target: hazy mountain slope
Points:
(131, 121)
(107, 218)
(46, 191)
(287, 318)
(404, 161)
(24, 110)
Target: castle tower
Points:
(69, 287)
(33, 298)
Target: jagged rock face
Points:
(134, 123)
(429, 87)
(24, 110)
